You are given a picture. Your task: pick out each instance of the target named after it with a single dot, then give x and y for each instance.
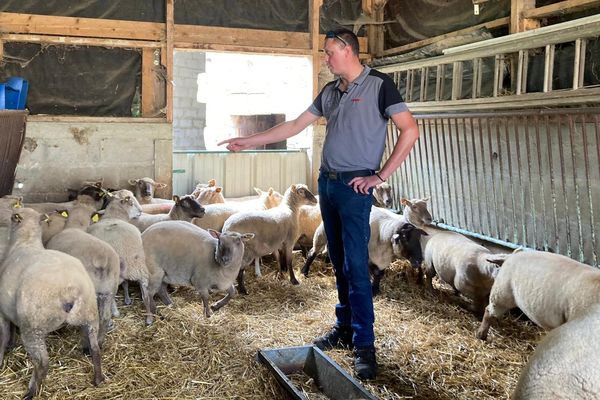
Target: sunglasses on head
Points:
(333, 35)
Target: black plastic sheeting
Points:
(418, 20)
(67, 80)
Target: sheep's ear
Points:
(405, 202)
(214, 233)
(126, 199)
(160, 185)
(176, 198)
(218, 189)
(258, 191)
(518, 250)
(98, 184)
(19, 203)
(247, 236)
(396, 238)
(212, 182)
(497, 259)
(133, 182)
(426, 199)
(95, 217)
(293, 187)
(16, 217)
(44, 218)
(271, 190)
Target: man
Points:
(357, 107)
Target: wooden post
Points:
(169, 57)
(424, 82)
(1, 50)
(548, 68)
(457, 77)
(518, 23)
(522, 72)
(314, 7)
(439, 82)
(579, 63)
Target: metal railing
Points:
(522, 178)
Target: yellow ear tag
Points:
(95, 218)
(65, 214)
(18, 205)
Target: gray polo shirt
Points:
(357, 120)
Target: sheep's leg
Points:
(113, 308)
(5, 336)
(257, 267)
(149, 303)
(231, 292)
(283, 264)
(104, 313)
(163, 293)
(35, 346)
(125, 286)
(491, 315)
(430, 272)
(287, 254)
(240, 282)
(13, 337)
(204, 297)
(92, 339)
(312, 254)
(377, 275)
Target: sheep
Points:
(185, 209)
(215, 215)
(144, 190)
(180, 253)
(40, 291)
(99, 259)
(210, 195)
(275, 229)
(415, 212)
(467, 266)
(382, 195)
(565, 363)
(550, 289)
(126, 240)
(92, 195)
(200, 186)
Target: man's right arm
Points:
(276, 134)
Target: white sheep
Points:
(275, 229)
(185, 209)
(565, 363)
(384, 225)
(40, 291)
(99, 259)
(465, 265)
(7, 205)
(180, 253)
(550, 289)
(126, 240)
(144, 190)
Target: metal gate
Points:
(518, 178)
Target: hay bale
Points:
(426, 347)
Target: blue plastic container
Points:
(13, 94)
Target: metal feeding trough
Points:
(328, 377)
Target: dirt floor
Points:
(426, 346)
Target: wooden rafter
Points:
(560, 8)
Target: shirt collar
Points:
(359, 80)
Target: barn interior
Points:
(505, 94)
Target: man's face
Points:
(336, 55)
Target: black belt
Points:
(345, 175)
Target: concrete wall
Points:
(189, 116)
(60, 155)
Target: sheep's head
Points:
(302, 194)
(406, 244)
(383, 195)
(145, 187)
(416, 211)
(209, 195)
(271, 198)
(230, 247)
(23, 218)
(189, 206)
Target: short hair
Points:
(350, 38)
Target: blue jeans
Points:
(346, 220)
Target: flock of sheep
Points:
(62, 263)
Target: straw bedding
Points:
(426, 346)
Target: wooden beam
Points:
(1, 50)
(170, 29)
(78, 41)
(560, 8)
(314, 7)
(241, 49)
(80, 27)
(518, 23)
(148, 77)
(457, 77)
(579, 63)
(548, 68)
(411, 46)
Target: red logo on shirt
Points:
(356, 100)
